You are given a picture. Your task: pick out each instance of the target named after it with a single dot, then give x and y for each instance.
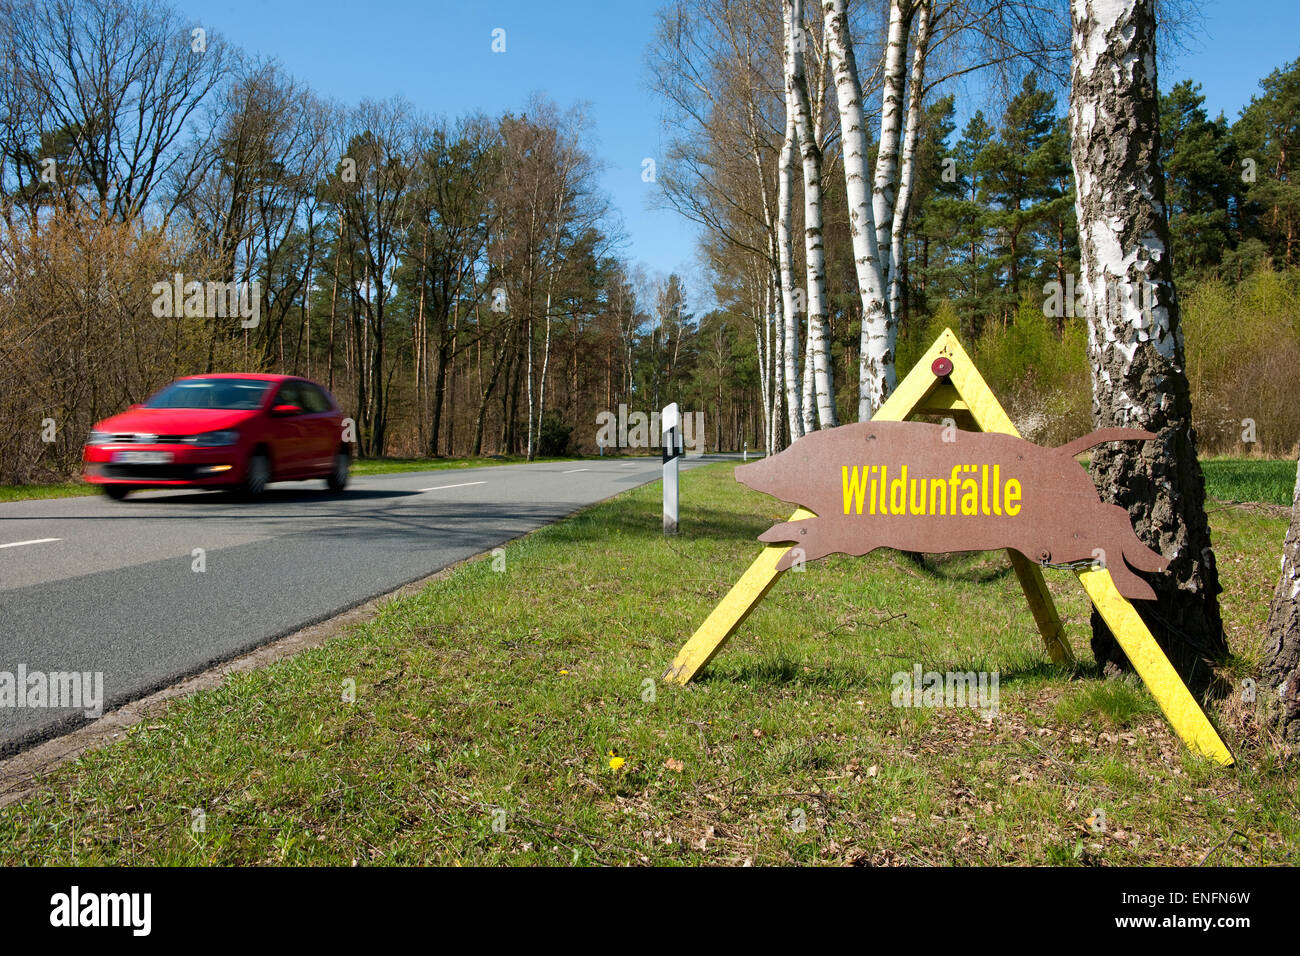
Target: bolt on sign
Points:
(916, 486)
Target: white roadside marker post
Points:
(673, 450)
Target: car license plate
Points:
(142, 457)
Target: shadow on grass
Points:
(864, 672)
(777, 671)
(957, 566)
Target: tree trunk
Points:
(809, 387)
(1135, 342)
(876, 375)
(823, 379)
(334, 296)
(906, 175)
(891, 120)
(793, 399)
(1282, 662)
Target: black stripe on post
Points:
(673, 446)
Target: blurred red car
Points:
(235, 431)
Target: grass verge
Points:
(514, 716)
(363, 466)
(1250, 479)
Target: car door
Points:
(290, 443)
(322, 428)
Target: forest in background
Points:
(459, 283)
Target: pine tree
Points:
(1017, 185)
(971, 277)
(1197, 156)
(936, 182)
(1268, 135)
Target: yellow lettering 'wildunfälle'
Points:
(970, 491)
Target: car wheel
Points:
(116, 492)
(257, 475)
(338, 478)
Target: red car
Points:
(239, 432)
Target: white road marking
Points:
(19, 544)
(574, 471)
(463, 484)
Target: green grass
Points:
(62, 489)
(489, 706)
(1250, 479)
(384, 466)
(363, 466)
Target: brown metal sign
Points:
(920, 487)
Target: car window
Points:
(313, 398)
(225, 393)
(289, 395)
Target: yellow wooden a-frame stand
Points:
(965, 397)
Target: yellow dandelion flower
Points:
(616, 762)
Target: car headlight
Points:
(99, 438)
(214, 439)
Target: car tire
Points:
(116, 492)
(257, 475)
(338, 478)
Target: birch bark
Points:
(906, 174)
(822, 384)
(1282, 660)
(785, 251)
(875, 363)
(1135, 343)
(891, 118)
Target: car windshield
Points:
(230, 393)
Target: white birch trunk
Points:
(891, 118)
(771, 283)
(778, 357)
(773, 344)
(809, 389)
(1135, 342)
(821, 387)
(790, 316)
(876, 376)
(906, 174)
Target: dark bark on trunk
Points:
(497, 365)
(1135, 343)
(1282, 662)
(439, 393)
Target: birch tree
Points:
(891, 120)
(907, 169)
(797, 97)
(720, 65)
(785, 250)
(1135, 343)
(875, 366)
(1282, 660)
(877, 222)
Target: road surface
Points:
(98, 586)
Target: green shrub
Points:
(553, 437)
(1243, 350)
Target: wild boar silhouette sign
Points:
(921, 487)
(969, 484)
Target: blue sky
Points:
(438, 55)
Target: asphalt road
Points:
(92, 585)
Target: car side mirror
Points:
(285, 410)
